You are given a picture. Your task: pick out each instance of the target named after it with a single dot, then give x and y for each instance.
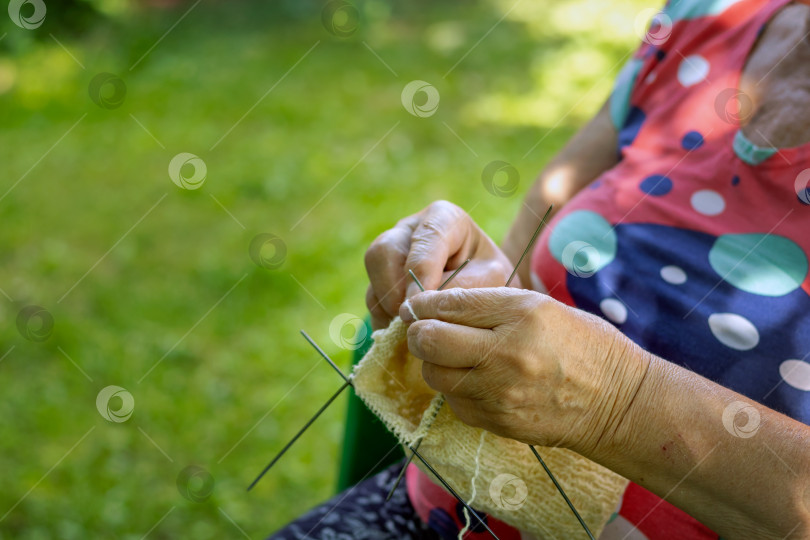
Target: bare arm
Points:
(737, 466)
(553, 375)
(592, 151)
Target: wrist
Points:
(620, 409)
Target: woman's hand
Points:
(525, 366)
(432, 243)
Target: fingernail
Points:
(406, 313)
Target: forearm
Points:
(674, 441)
(587, 155)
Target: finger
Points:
(449, 345)
(385, 262)
(479, 308)
(441, 237)
(477, 273)
(379, 318)
(451, 381)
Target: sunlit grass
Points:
(209, 401)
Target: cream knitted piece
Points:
(511, 484)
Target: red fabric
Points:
(672, 110)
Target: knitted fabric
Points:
(389, 380)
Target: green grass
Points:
(537, 75)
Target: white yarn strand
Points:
(463, 531)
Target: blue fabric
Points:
(671, 321)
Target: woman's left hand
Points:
(524, 366)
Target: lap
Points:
(361, 512)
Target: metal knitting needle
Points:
(348, 382)
(534, 451)
(325, 357)
(452, 491)
(301, 432)
(416, 279)
(531, 243)
(562, 492)
(448, 280)
(419, 442)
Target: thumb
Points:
(444, 233)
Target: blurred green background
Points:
(304, 136)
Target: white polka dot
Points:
(796, 373)
(734, 331)
(673, 274)
(692, 70)
(614, 310)
(651, 77)
(708, 202)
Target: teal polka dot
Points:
(762, 264)
(583, 242)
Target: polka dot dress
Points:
(696, 244)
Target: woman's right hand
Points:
(432, 243)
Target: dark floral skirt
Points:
(361, 513)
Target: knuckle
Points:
(536, 305)
(429, 229)
(449, 302)
(425, 337)
(442, 205)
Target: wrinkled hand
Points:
(432, 243)
(524, 366)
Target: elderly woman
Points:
(661, 327)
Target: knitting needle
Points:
(537, 455)
(448, 280)
(562, 492)
(348, 382)
(413, 449)
(325, 357)
(301, 432)
(345, 378)
(452, 491)
(419, 442)
(416, 279)
(531, 243)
